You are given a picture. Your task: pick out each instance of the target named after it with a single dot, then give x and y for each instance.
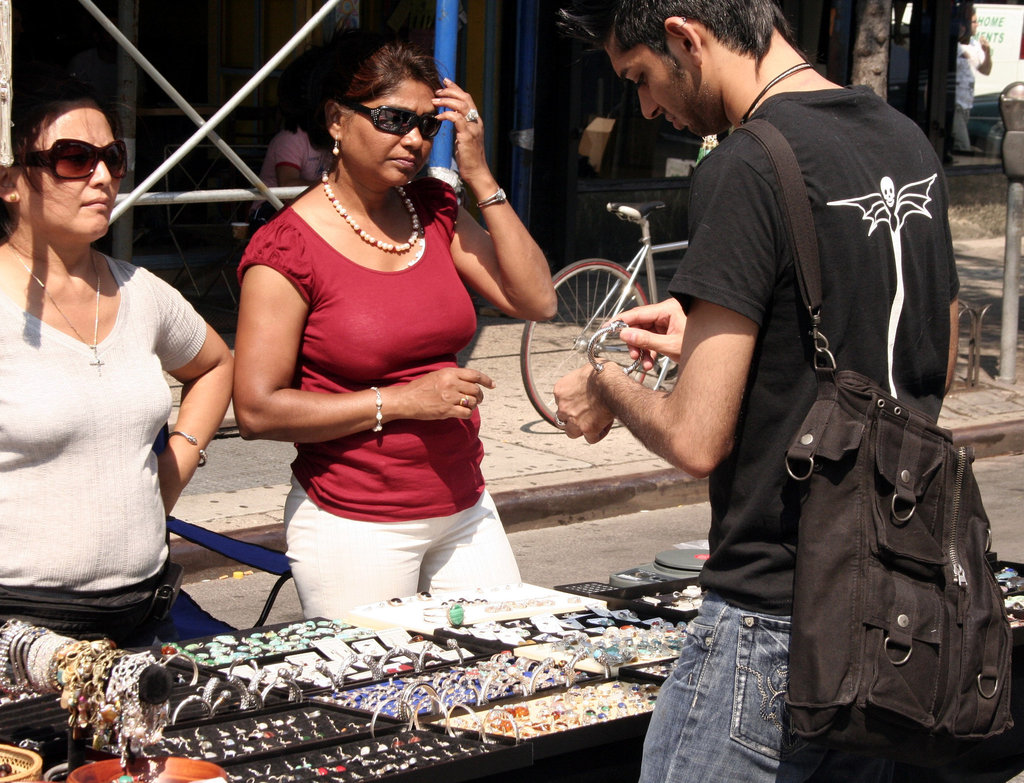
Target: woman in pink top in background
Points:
(291, 158)
(353, 308)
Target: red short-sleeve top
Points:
(369, 328)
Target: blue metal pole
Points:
(490, 74)
(446, 35)
(525, 76)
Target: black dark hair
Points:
(359, 65)
(298, 91)
(966, 15)
(744, 26)
(41, 93)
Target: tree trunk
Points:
(871, 49)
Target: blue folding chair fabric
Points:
(192, 621)
(187, 615)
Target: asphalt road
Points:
(593, 550)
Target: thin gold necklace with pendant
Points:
(97, 363)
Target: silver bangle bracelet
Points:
(497, 198)
(191, 439)
(611, 330)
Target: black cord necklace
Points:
(786, 73)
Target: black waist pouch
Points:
(108, 614)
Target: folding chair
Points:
(193, 621)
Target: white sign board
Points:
(1003, 26)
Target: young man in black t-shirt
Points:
(738, 328)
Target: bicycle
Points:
(590, 293)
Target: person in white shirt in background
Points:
(974, 55)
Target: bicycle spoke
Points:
(588, 294)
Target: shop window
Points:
(617, 141)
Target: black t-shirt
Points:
(879, 202)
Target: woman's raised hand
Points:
(460, 110)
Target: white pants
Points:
(339, 563)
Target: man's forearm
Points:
(641, 410)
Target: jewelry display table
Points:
(452, 687)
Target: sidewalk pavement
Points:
(540, 477)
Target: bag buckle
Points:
(902, 660)
(823, 358)
(805, 476)
(903, 516)
(981, 687)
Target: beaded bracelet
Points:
(10, 630)
(380, 416)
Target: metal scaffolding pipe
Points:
(1011, 283)
(225, 110)
(179, 100)
(6, 92)
(128, 103)
(210, 196)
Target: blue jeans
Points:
(722, 715)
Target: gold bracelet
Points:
(191, 439)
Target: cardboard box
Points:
(595, 140)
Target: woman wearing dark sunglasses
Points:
(84, 341)
(353, 308)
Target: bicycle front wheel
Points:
(588, 294)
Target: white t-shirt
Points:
(80, 505)
(969, 59)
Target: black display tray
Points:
(591, 623)
(431, 711)
(470, 759)
(629, 597)
(264, 733)
(42, 724)
(367, 637)
(651, 671)
(321, 629)
(569, 740)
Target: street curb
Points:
(563, 504)
(520, 509)
(992, 440)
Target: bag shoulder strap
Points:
(796, 210)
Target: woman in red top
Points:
(352, 311)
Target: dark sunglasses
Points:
(399, 121)
(73, 159)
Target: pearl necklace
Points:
(97, 363)
(380, 244)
